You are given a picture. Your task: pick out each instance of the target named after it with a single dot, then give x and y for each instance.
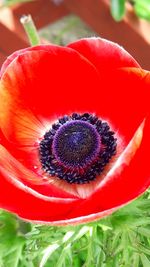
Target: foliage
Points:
(119, 240)
(117, 7)
(141, 8)
(12, 2)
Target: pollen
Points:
(77, 148)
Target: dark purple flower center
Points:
(76, 144)
(77, 148)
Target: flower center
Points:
(76, 144)
(77, 148)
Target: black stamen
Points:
(77, 148)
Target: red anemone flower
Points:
(75, 131)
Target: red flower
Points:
(90, 77)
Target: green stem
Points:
(30, 29)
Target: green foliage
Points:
(119, 240)
(118, 9)
(11, 240)
(13, 2)
(141, 8)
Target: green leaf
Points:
(119, 240)
(65, 252)
(135, 260)
(142, 9)
(144, 231)
(47, 253)
(145, 261)
(118, 9)
(14, 255)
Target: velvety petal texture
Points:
(43, 83)
(104, 54)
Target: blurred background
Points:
(62, 21)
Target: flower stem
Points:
(30, 29)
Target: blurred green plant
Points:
(117, 7)
(119, 240)
(12, 2)
(140, 7)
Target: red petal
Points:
(121, 187)
(42, 84)
(126, 95)
(60, 82)
(76, 220)
(22, 95)
(31, 205)
(22, 51)
(22, 177)
(130, 178)
(104, 54)
(28, 205)
(2, 138)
